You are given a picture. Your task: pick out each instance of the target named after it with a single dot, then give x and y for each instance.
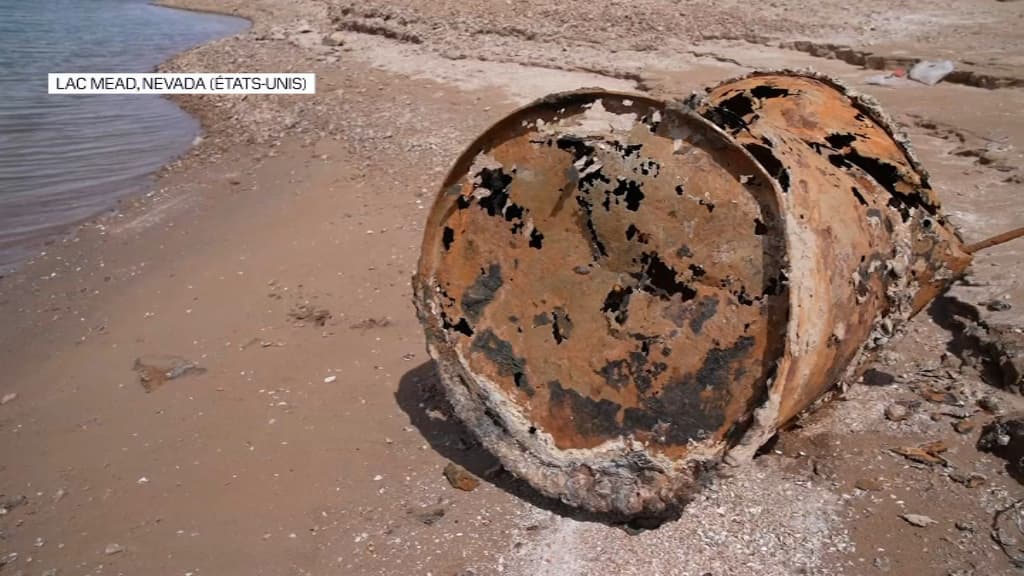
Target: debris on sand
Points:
(371, 323)
(924, 454)
(307, 313)
(931, 72)
(156, 369)
(112, 549)
(896, 412)
(1005, 438)
(9, 397)
(919, 520)
(460, 478)
(965, 426)
(1007, 532)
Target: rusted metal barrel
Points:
(622, 293)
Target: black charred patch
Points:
(707, 204)
(732, 110)
(626, 150)
(561, 325)
(536, 239)
(541, 319)
(587, 215)
(481, 292)
(776, 285)
(616, 303)
(765, 92)
(447, 237)
(818, 147)
(501, 354)
(697, 270)
(770, 163)
(858, 196)
(644, 372)
(743, 297)
(627, 190)
(695, 403)
(497, 182)
(706, 309)
(650, 167)
(680, 190)
(840, 141)
(462, 326)
(591, 417)
(615, 374)
(659, 279)
(684, 252)
(464, 202)
(760, 229)
(887, 175)
(634, 232)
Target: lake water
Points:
(64, 158)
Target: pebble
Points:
(896, 412)
(330, 379)
(9, 397)
(460, 478)
(112, 549)
(965, 426)
(919, 520)
(998, 306)
(990, 405)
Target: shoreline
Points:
(31, 248)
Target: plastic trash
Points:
(931, 72)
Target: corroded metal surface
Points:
(621, 293)
(865, 225)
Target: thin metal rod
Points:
(995, 240)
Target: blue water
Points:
(64, 158)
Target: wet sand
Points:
(313, 443)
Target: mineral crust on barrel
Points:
(620, 293)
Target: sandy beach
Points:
(271, 264)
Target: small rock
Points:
(955, 411)
(1005, 438)
(9, 397)
(142, 480)
(998, 306)
(896, 412)
(460, 478)
(971, 480)
(925, 454)
(951, 361)
(334, 39)
(112, 549)
(964, 526)
(156, 369)
(990, 405)
(919, 520)
(59, 495)
(874, 377)
(868, 484)
(965, 426)
(330, 379)
(12, 502)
